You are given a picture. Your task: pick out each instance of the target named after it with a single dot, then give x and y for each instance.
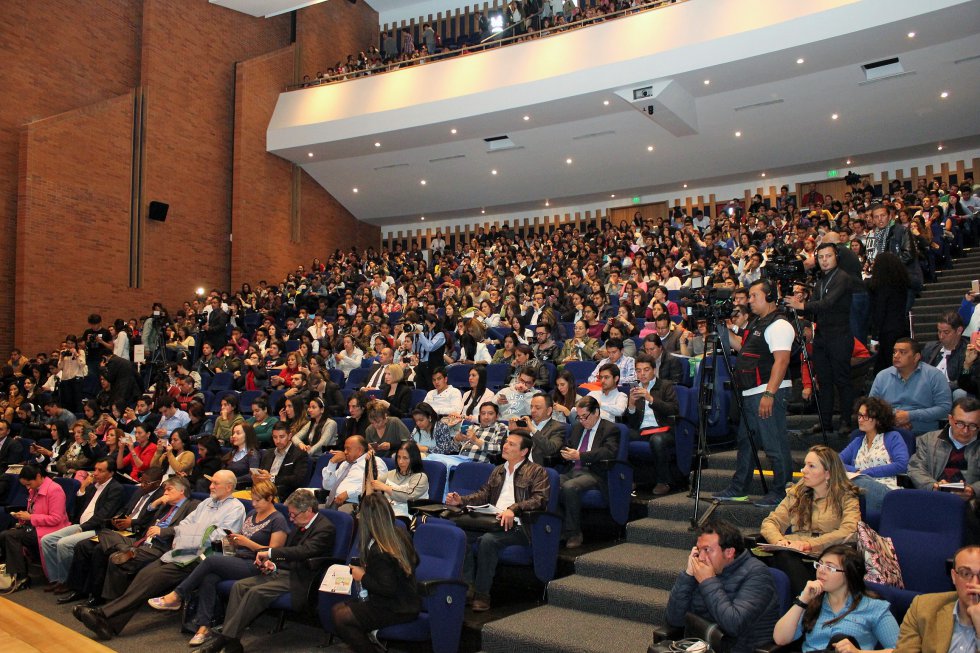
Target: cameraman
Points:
(761, 372)
(830, 310)
(73, 368)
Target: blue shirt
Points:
(178, 421)
(871, 623)
(925, 395)
(964, 638)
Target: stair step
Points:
(550, 629)
(641, 564)
(615, 599)
(681, 507)
(666, 533)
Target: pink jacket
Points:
(47, 506)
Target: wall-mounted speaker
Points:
(158, 211)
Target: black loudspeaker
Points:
(158, 211)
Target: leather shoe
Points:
(94, 620)
(62, 589)
(71, 597)
(661, 489)
(213, 645)
(95, 602)
(122, 557)
(574, 542)
(480, 605)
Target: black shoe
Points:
(214, 645)
(94, 620)
(95, 602)
(233, 646)
(71, 597)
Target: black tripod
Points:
(801, 345)
(720, 348)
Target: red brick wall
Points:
(52, 65)
(321, 40)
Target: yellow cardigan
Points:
(824, 520)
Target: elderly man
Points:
(947, 621)
(343, 477)
(919, 393)
(289, 568)
(725, 584)
(213, 517)
(514, 488)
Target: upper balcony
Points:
(642, 103)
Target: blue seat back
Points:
(221, 381)
(246, 400)
(581, 370)
(497, 374)
(343, 525)
(437, 473)
(459, 376)
(70, 486)
(467, 478)
(357, 378)
(418, 396)
(783, 592)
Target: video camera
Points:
(784, 268)
(709, 304)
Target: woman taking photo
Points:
(397, 394)
(244, 454)
(320, 432)
(388, 575)
(264, 527)
(821, 510)
(47, 457)
(879, 455)
(406, 482)
(837, 604)
(177, 457)
(430, 433)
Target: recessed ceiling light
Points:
(944, 95)
(377, 144)
(310, 154)
(848, 162)
(763, 174)
(493, 172)
(940, 147)
(707, 81)
(355, 190)
(613, 195)
(422, 182)
(483, 211)
(452, 131)
(527, 118)
(834, 116)
(800, 60)
(738, 134)
(685, 185)
(605, 103)
(423, 218)
(547, 203)
(649, 148)
(568, 161)
(911, 35)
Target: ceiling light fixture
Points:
(800, 60)
(568, 161)
(649, 148)
(763, 174)
(613, 195)
(310, 154)
(452, 131)
(377, 144)
(547, 203)
(738, 134)
(355, 190)
(483, 211)
(943, 95)
(423, 218)
(526, 118)
(848, 162)
(422, 182)
(834, 116)
(605, 103)
(940, 148)
(493, 172)
(707, 81)
(685, 185)
(911, 35)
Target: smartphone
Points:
(522, 423)
(975, 338)
(355, 562)
(975, 285)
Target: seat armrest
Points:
(773, 647)
(428, 587)
(663, 632)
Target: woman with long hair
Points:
(880, 454)
(406, 482)
(388, 575)
(431, 434)
(175, 456)
(320, 432)
(208, 462)
(294, 415)
(888, 292)
(476, 395)
(564, 397)
(228, 418)
(821, 509)
(836, 605)
(264, 527)
(244, 454)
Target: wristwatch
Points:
(768, 394)
(799, 602)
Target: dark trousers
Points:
(155, 579)
(665, 469)
(250, 598)
(480, 568)
(13, 543)
(204, 580)
(832, 365)
(88, 568)
(573, 484)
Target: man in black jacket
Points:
(290, 568)
(514, 488)
(100, 497)
(592, 441)
(651, 414)
(948, 353)
(11, 453)
(216, 332)
(286, 466)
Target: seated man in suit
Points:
(99, 498)
(593, 440)
(948, 352)
(11, 453)
(651, 414)
(376, 373)
(546, 433)
(291, 568)
(219, 513)
(947, 621)
(668, 367)
(89, 564)
(286, 466)
(518, 486)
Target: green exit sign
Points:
(833, 173)
(636, 200)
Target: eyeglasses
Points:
(972, 428)
(967, 574)
(823, 565)
(864, 416)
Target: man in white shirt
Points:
(612, 402)
(343, 477)
(444, 399)
(514, 488)
(172, 418)
(376, 374)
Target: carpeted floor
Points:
(152, 632)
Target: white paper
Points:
(337, 580)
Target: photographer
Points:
(833, 343)
(73, 369)
(761, 373)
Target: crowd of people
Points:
(336, 357)
(521, 21)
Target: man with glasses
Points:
(592, 441)
(947, 622)
(919, 393)
(725, 584)
(290, 568)
(545, 348)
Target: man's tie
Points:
(583, 447)
(161, 523)
(377, 378)
(340, 479)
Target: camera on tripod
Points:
(709, 304)
(784, 268)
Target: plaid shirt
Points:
(493, 437)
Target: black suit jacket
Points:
(830, 307)
(664, 406)
(164, 541)
(144, 518)
(391, 589)
(399, 405)
(107, 505)
(293, 473)
(670, 368)
(932, 354)
(11, 453)
(548, 440)
(296, 556)
(371, 372)
(217, 330)
(605, 443)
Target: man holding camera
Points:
(761, 374)
(651, 413)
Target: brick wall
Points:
(322, 45)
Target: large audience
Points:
(527, 349)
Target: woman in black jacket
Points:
(388, 575)
(209, 462)
(396, 392)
